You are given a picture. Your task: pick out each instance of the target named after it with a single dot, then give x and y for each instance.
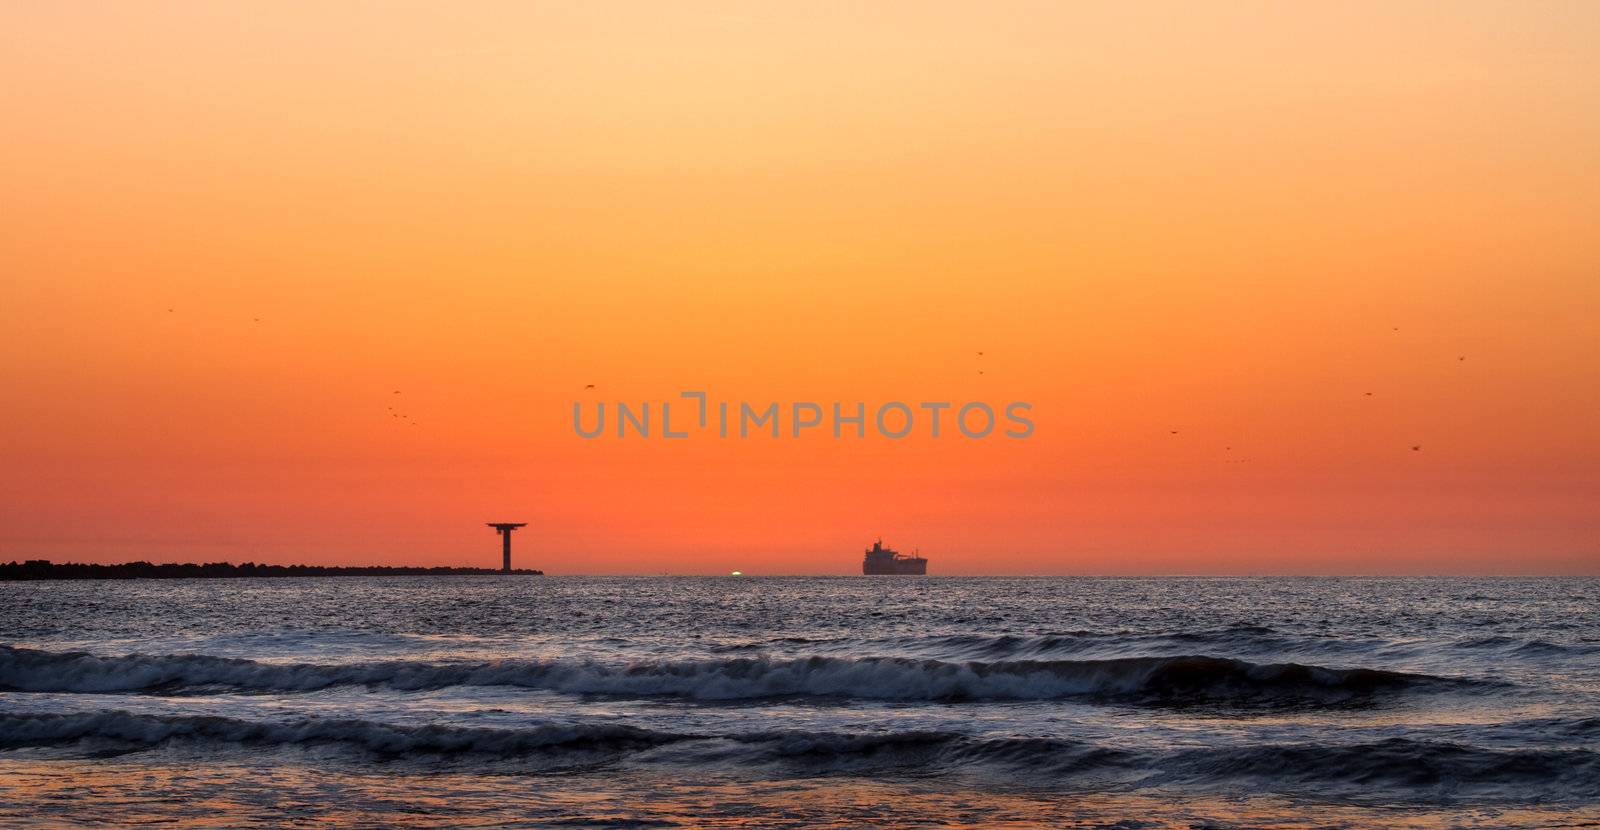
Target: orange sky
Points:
(1207, 218)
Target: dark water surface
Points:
(687, 702)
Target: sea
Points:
(897, 702)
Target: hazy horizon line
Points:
(493, 572)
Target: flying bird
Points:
(1462, 357)
(1416, 448)
(590, 386)
(1369, 394)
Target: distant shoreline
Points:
(42, 569)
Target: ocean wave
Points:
(1239, 640)
(1359, 771)
(125, 731)
(1373, 769)
(142, 730)
(1177, 678)
(1526, 647)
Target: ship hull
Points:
(915, 568)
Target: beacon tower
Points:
(504, 529)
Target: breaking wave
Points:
(1442, 769)
(135, 730)
(1238, 639)
(1176, 678)
(1359, 770)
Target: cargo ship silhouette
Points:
(882, 561)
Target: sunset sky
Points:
(230, 232)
